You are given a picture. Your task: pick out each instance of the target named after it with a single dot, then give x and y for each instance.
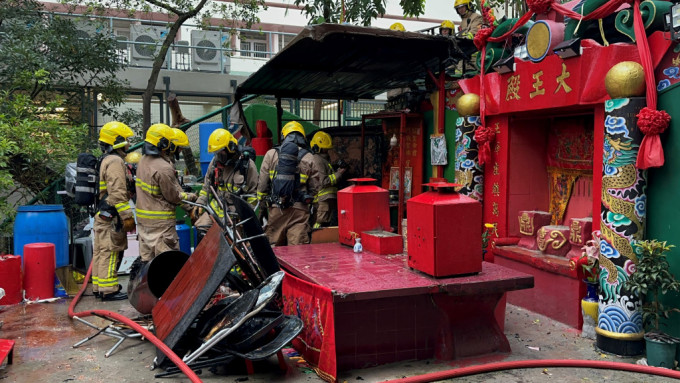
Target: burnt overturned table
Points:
(386, 312)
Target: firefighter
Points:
(446, 29)
(470, 22)
(158, 194)
(232, 170)
(282, 186)
(323, 181)
(114, 218)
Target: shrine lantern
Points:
(444, 232)
(362, 207)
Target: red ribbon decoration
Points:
(650, 121)
(484, 135)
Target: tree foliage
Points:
(45, 69)
(36, 143)
(233, 14)
(31, 41)
(355, 11)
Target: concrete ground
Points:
(44, 337)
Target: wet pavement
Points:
(44, 337)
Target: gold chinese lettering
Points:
(575, 234)
(498, 128)
(512, 93)
(561, 83)
(496, 189)
(526, 224)
(538, 83)
(498, 147)
(496, 169)
(494, 210)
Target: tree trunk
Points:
(178, 120)
(159, 60)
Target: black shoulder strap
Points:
(301, 153)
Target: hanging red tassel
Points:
(539, 6)
(480, 38)
(651, 122)
(484, 136)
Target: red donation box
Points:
(444, 232)
(362, 207)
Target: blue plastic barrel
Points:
(42, 223)
(184, 234)
(204, 130)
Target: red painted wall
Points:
(528, 177)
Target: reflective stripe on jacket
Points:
(158, 191)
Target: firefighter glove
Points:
(195, 213)
(129, 224)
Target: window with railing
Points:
(260, 50)
(245, 49)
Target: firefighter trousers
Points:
(289, 226)
(107, 254)
(154, 240)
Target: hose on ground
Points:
(123, 319)
(501, 366)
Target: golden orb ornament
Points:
(625, 79)
(468, 105)
(133, 157)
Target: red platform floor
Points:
(386, 312)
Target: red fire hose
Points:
(473, 370)
(123, 319)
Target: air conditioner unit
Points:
(205, 52)
(146, 41)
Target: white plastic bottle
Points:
(358, 248)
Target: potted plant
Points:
(651, 280)
(590, 265)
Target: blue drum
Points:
(42, 223)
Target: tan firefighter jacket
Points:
(323, 179)
(113, 185)
(158, 191)
(229, 180)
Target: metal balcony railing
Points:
(205, 50)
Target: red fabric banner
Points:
(314, 305)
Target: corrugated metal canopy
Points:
(347, 62)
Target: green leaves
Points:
(35, 145)
(355, 11)
(651, 280)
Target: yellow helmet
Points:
(398, 27)
(133, 157)
(293, 126)
(160, 135)
(448, 24)
(220, 139)
(180, 138)
(115, 134)
(459, 3)
(321, 140)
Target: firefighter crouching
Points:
(324, 181)
(230, 171)
(158, 193)
(114, 218)
(282, 185)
